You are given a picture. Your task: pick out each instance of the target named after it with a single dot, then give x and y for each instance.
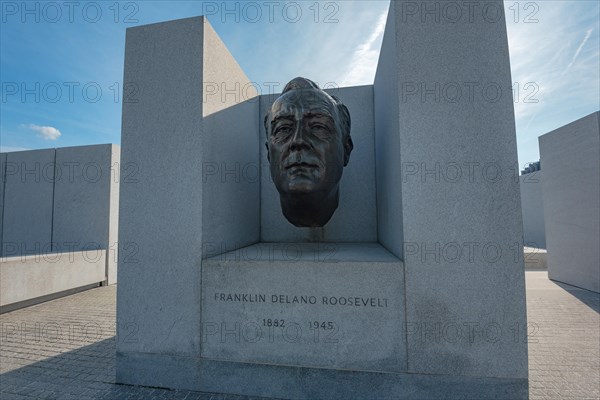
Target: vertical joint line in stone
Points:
(402, 230)
(106, 258)
(110, 210)
(260, 167)
(3, 171)
(53, 194)
(405, 334)
(374, 127)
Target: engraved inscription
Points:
(352, 301)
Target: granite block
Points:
(327, 305)
(81, 197)
(160, 206)
(28, 202)
(2, 180)
(30, 277)
(454, 160)
(532, 204)
(570, 158)
(230, 150)
(307, 383)
(171, 207)
(387, 143)
(112, 255)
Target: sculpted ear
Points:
(348, 146)
(266, 124)
(346, 123)
(267, 146)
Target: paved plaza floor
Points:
(65, 349)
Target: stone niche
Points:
(414, 289)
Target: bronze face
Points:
(308, 142)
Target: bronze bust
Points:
(308, 146)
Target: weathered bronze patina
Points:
(308, 144)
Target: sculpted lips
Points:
(301, 169)
(300, 165)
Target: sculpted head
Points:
(308, 144)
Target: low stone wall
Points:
(61, 200)
(535, 258)
(27, 280)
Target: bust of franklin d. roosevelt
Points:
(308, 146)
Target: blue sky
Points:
(61, 64)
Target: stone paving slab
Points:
(564, 339)
(65, 349)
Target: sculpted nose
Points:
(299, 140)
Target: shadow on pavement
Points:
(589, 298)
(87, 372)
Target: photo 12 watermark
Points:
(272, 11)
(469, 12)
(69, 92)
(54, 12)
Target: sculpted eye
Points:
(320, 127)
(282, 129)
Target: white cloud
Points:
(585, 39)
(46, 132)
(364, 60)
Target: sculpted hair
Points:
(343, 114)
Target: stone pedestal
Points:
(207, 300)
(325, 305)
